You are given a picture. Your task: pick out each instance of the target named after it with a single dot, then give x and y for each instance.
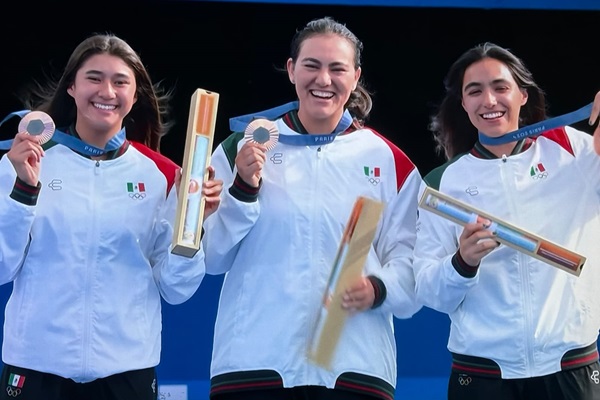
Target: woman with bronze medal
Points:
(88, 205)
(291, 185)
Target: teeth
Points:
(318, 93)
(104, 106)
(492, 115)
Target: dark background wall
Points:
(235, 49)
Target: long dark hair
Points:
(452, 130)
(145, 122)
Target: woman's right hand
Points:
(250, 161)
(26, 154)
(476, 241)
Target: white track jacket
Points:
(89, 263)
(518, 311)
(278, 252)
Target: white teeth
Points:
(104, 106)
(492, 115)
(326, 95)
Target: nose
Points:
(323, 78)
(489, 99)
(106, 90)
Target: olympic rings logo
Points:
(373, 181)
(541, 175)
(137, 196)
(464, 380)
(13, 392)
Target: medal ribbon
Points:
(538, 127)
(70, 141)
(239, 124)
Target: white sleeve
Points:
(177, 277)
(438, 285)
(230, 223)
(16, 220)
(394, 246)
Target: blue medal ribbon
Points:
(70, 141)
(239, 124)
(538, 127)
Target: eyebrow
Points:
(333, 64)
(476, 84)
(96, 72)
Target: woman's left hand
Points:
(211, 190)
(359, 296)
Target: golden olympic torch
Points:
(196, 159)
(347, 268)
(506, 233)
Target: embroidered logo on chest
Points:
(136, 191)
(372, 174)
(538, 172)
(276, 158)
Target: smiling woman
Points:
(325, 72)
(104, 90)
(297, 196)
(492, 100)
(549, 349)
(85, 235)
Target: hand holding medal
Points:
(262, 131)
(39, 124)
(26, 154)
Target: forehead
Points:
(487, 70)
(327, 47)
(106, 63)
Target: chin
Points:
(320, 113)
(496, 134)
(494, 130)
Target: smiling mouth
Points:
(492, 115)
(322, 94)
(106, 107)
